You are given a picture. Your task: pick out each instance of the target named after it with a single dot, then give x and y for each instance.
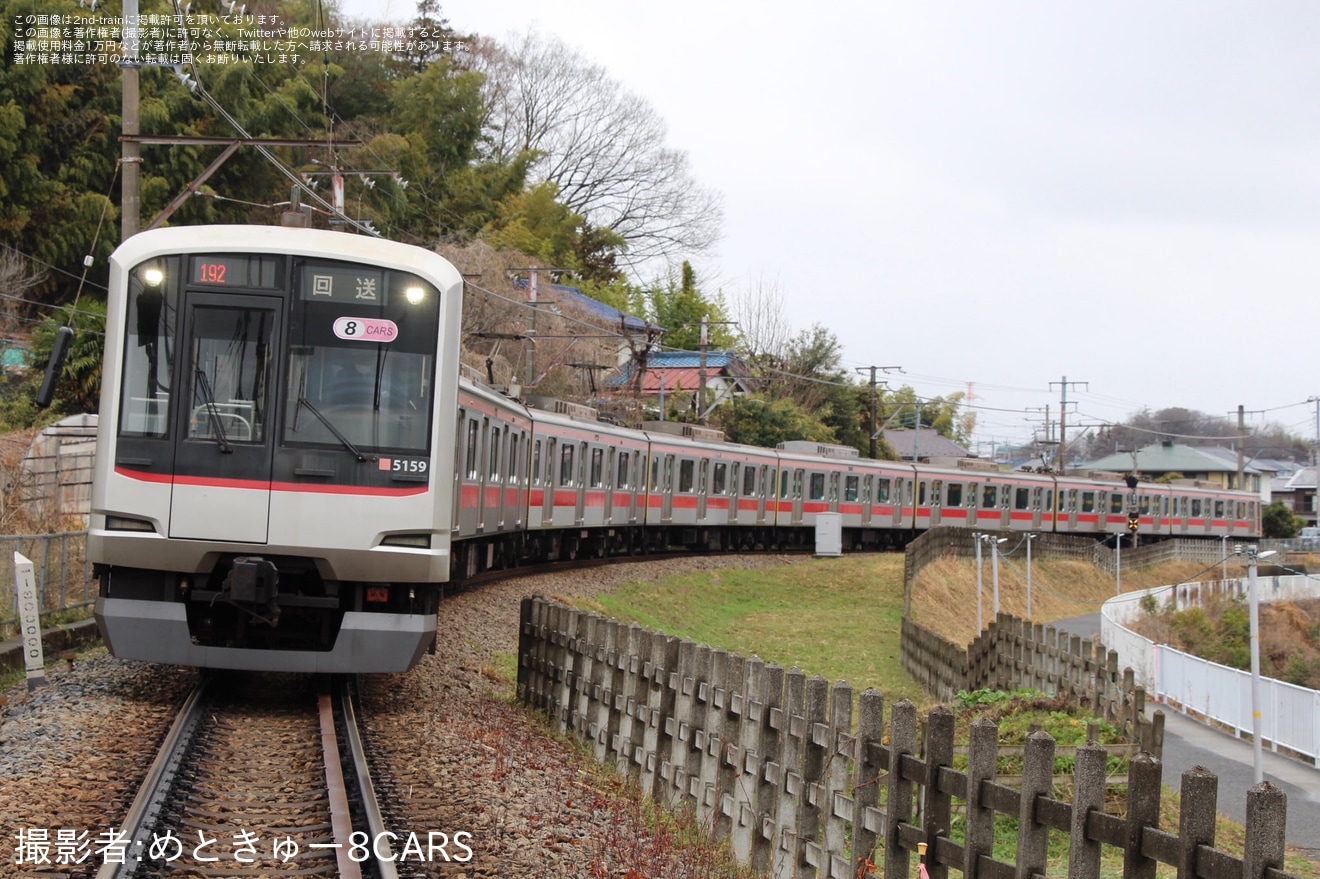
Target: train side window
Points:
(470, 462)
(783, 484)
(1145, 505)
(719, 479)
(623, 469)
(907, 492)
(817, 486)
(1088, 502)
(566, 464)
(1049, 501)
(536, 462)
(882, 491)
(921, 494)
(850, 488)
(686, 472)
(597, 467)
(1241, 510)
(955, 494)
(989, 496)
(1196, 507)
(513, 458)
(749, 481)
(1116, 503)
(1021, 498)
(655, 473)
(1219, 509)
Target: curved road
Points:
(1189, 743)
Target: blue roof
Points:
(688, 359)
(564, 294)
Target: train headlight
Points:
(417, 541)
(124, 523)
(414, 295)
(153, 277)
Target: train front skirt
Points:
(157, 631)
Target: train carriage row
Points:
(290, 466)
(576, 485)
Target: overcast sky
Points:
(1000, 193)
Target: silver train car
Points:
(272, 484)
(290, 467)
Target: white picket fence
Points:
(1290, 715)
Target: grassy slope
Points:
(840, 618)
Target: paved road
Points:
(1189, 743)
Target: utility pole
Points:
(1242, 425)
(874, 403)
(129, 152)
(701, 373)
(1315, 449)
(1241, 443)
(1063, 418)
(533, 303)
(702, 409)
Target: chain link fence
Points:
(61, 569)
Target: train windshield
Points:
(362, 358)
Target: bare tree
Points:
(603, 146)
(759, 310)
(18, 279)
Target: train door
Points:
(460, 454)
(548, 465)
(763, 500)
(703, 488)
(581, 514)
(490, 482)
(609, 485)
(224, 439)
(799, 480)
(868, 494)
(667, 490)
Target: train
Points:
(292, 467)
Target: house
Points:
(1297, 491)
(670, 375)
(924, 445)
(1218, 466)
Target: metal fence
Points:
(63, 574)
(1290, 715)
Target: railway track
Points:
(257, 778)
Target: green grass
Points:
(838, 618)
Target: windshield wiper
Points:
(209, 401)
(303, 401)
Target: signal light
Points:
(1134, 524)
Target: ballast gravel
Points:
(472, 785)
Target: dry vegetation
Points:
(943, 597)
(575, 351)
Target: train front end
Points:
(270, 492)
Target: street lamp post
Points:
(1030, 537)
(994, 564)
(1257, 759)
(1118, 564)
(980, 623)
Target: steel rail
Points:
(145, 811)
(370, 804)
